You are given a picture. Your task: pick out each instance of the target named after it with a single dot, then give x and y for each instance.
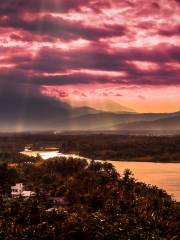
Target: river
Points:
(163, 175)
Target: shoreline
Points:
(137, 161)
(42, 152)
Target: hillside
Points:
(169, 123)
(41, 114)
(104, 121)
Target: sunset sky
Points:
(97, 53)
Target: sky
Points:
(97, 53)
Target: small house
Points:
(19, 190)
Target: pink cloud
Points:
(125, 44)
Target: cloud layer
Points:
(61, 44)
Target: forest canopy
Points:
(92, 202)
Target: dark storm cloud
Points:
(35, 6)
(55, 60)
(23, 107)
(64, 29)
(62, 67)
(14, 7)
(120, 36)
(159, 77)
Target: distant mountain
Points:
(38, 115)
(41, 113)
(104, 105)
(111, 106)
(111, 121)
(34, 112)
(80, 111)
(163, 124)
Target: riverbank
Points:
(153, 173)
(100, 146)
(162, 175)
(140, 160)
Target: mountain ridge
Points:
(43, 114)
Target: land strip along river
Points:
(163, 175)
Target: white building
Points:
(19, 190)
(27, 194)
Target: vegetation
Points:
(99, 146)
(76, 199)
(98, 203)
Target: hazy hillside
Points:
(43, 114)
(110, 121)
(171, 123)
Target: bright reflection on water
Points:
(49, 154)
(163, 175)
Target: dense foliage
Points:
(98, 204)
(99, 146)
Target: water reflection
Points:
(49, 154)
(163, 175)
